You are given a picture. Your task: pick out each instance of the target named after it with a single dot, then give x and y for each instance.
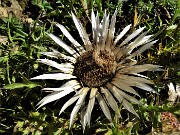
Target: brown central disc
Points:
(95, 69)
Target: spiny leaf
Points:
(20, 85)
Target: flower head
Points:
(102, 69)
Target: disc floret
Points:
(94, 68)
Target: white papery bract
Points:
(102, 69)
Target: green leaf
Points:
(20, 85)
(20, 124)
(3, 59)
(178, 73)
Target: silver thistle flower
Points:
(103, 69)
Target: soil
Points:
(8, 6)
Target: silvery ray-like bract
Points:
(102, 69)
